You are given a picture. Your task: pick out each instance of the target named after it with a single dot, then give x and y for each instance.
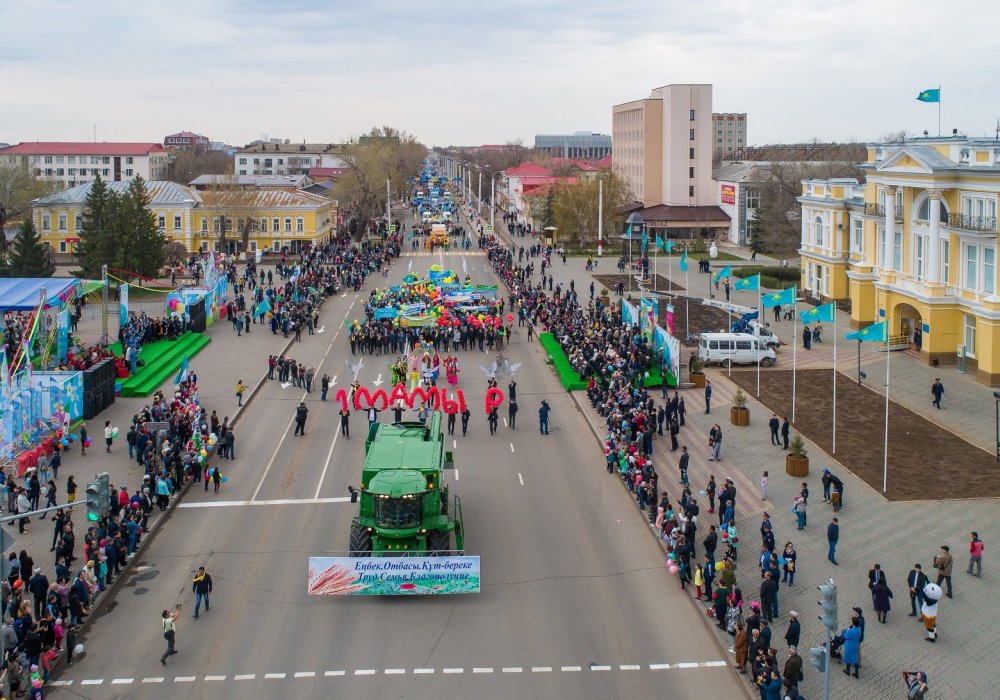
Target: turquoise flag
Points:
(262, 308)
(786, 296)
(182, 375)
(820, 313)
(724, 272)
(932, 95)
(684, 261)
(659, 242)
(876, 333)
(668, 246)
(751, 284)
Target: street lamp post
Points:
(493, 201)
(479, 193)
(713, 253)
(600, 217)
(635, 223)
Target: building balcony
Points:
(878, 210)
(982, 224)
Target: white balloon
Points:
(78, 649)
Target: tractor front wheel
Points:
(361, 542)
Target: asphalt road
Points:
(575, 601)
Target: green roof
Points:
(398, 446)
(397, 482)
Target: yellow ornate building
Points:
(915, 244)
(281, 218)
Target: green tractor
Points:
(405, 509)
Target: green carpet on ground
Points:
(571, 381)
(162, 360)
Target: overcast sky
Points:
(473, 72)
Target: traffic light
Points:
(104, 492)
(828, 591)
(818, 658)
(93, 501)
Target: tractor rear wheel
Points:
(438, 543)
(361, 542)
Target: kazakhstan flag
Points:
(786, 296)
(684, 261)
(876, 333)
(749, 283)
(933, 95)
(820, 313)
(724, 272)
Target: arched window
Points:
(924, 212)
(818, 231)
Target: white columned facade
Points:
(934, 240)
(890, 227)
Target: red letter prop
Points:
(494, 397)
(362, 391)
(381, 396)
(449, 406)
(341, 396)
(399, 393)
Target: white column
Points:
(934, 239)
(890, 227)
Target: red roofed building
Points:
(186, 140)
(319, 174)
(73, 163)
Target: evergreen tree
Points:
(757, 244)
(29, 258)
(97, 244)
(141, 246)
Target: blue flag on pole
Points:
(749, 283)
(262, 308)
(786, 296)
(684, 261)
(645, 240)
(820, 313)
(932, 95)
(876, 333)
(182, 375)
(724, 272)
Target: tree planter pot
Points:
(606, 301)
(698, 378)
(739, 415)
(797, 465)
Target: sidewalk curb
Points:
(582, 408)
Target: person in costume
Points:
(928, 611)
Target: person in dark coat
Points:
(881, 595)
(793, 631)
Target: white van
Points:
(737, 348)
(769, 339)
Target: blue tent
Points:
(22, 294)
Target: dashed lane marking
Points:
(520, 478)
(401, 671)
(512, 447)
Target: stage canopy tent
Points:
(22, 294)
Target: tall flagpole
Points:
(939, 110)
(795, 345)
(760, 320)
(687, 301)
(885, 442)
(656, 254)
(834, 451)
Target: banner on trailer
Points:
(393, 575)
(62, 335)
(629, 313)
(669, 349)
(123, 305)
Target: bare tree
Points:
(187, 164)
(234, 209)
(18, 188)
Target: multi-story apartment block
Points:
(287, 158)
(916, 245)
(729, 133)
(76, 163)
(186, 140)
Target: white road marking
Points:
(321, 329)
(570, 668)
(541, 669)
(122, 681)
(64, 683)
(333, 673)
(92, 681)
(305, 674)
(158, 679)
(378, 382)
(454, 444)
(456, 475)
(184, 679)
(333, 382)
(686, 665)
(285, 385)
(630, 667)
(215, 678)
(245, 677)
(326, 465)
(395, 671)
(423, 670)
(711, 664)
(275, 676)
(454, 670)
(659, 667)
(275, 502)
(512, 447)
(505, 423)
(273, 456)
(520, 478)
(364, 672)
(488, 669)
(512, 669)
(600, 668)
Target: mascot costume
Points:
(928, 611)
